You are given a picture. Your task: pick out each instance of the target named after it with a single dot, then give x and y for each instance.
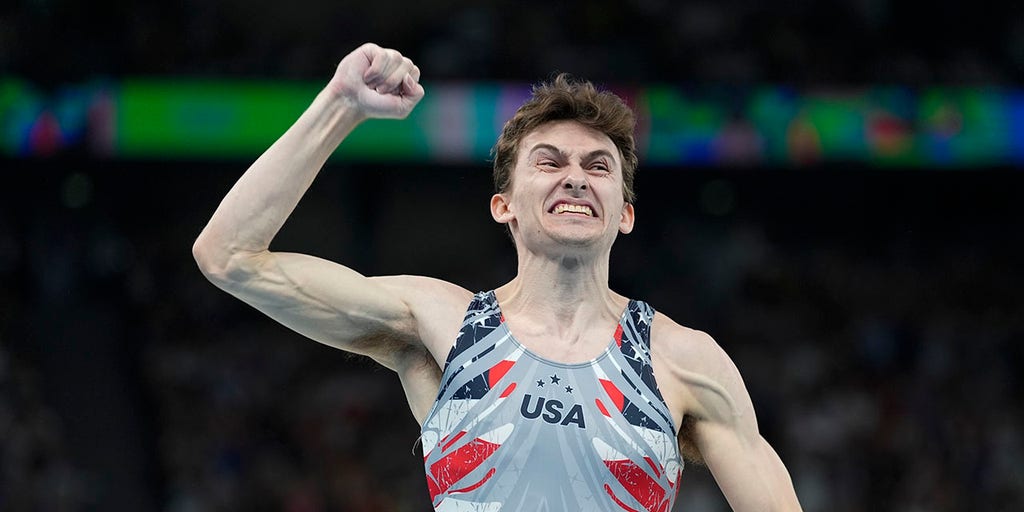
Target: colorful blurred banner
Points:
(458, 123)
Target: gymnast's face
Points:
(566, 190)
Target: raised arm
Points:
(320, 299)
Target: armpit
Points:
(384, 348)
(688, 442)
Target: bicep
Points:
(722, 426)
(324, 301)
(747, 469)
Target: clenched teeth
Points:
(573, 208)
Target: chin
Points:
(580, 239)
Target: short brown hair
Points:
(566, 98)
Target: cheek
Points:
(530, 192)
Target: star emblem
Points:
(540, 383)
(645, 318)
(555, 379)
(568, 389)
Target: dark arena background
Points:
(831, 189)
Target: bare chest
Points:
(565, 346)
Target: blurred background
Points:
(831, 189)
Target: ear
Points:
(628, 216)
(501, 210)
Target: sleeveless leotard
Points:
(512, 431)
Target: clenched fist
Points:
(379, 82)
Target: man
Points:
(586, 405)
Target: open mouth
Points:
(572, 209)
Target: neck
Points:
(567, 289)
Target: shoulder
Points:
(683, 345)
(437, 305)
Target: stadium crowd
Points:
(882, 349)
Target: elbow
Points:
(219, 263)
(210, 260)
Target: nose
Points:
(575, 180)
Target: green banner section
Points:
(226, 120)
(203, 119)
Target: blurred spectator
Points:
(732, 41)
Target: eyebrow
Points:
(587, 157)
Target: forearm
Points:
(259, 203)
